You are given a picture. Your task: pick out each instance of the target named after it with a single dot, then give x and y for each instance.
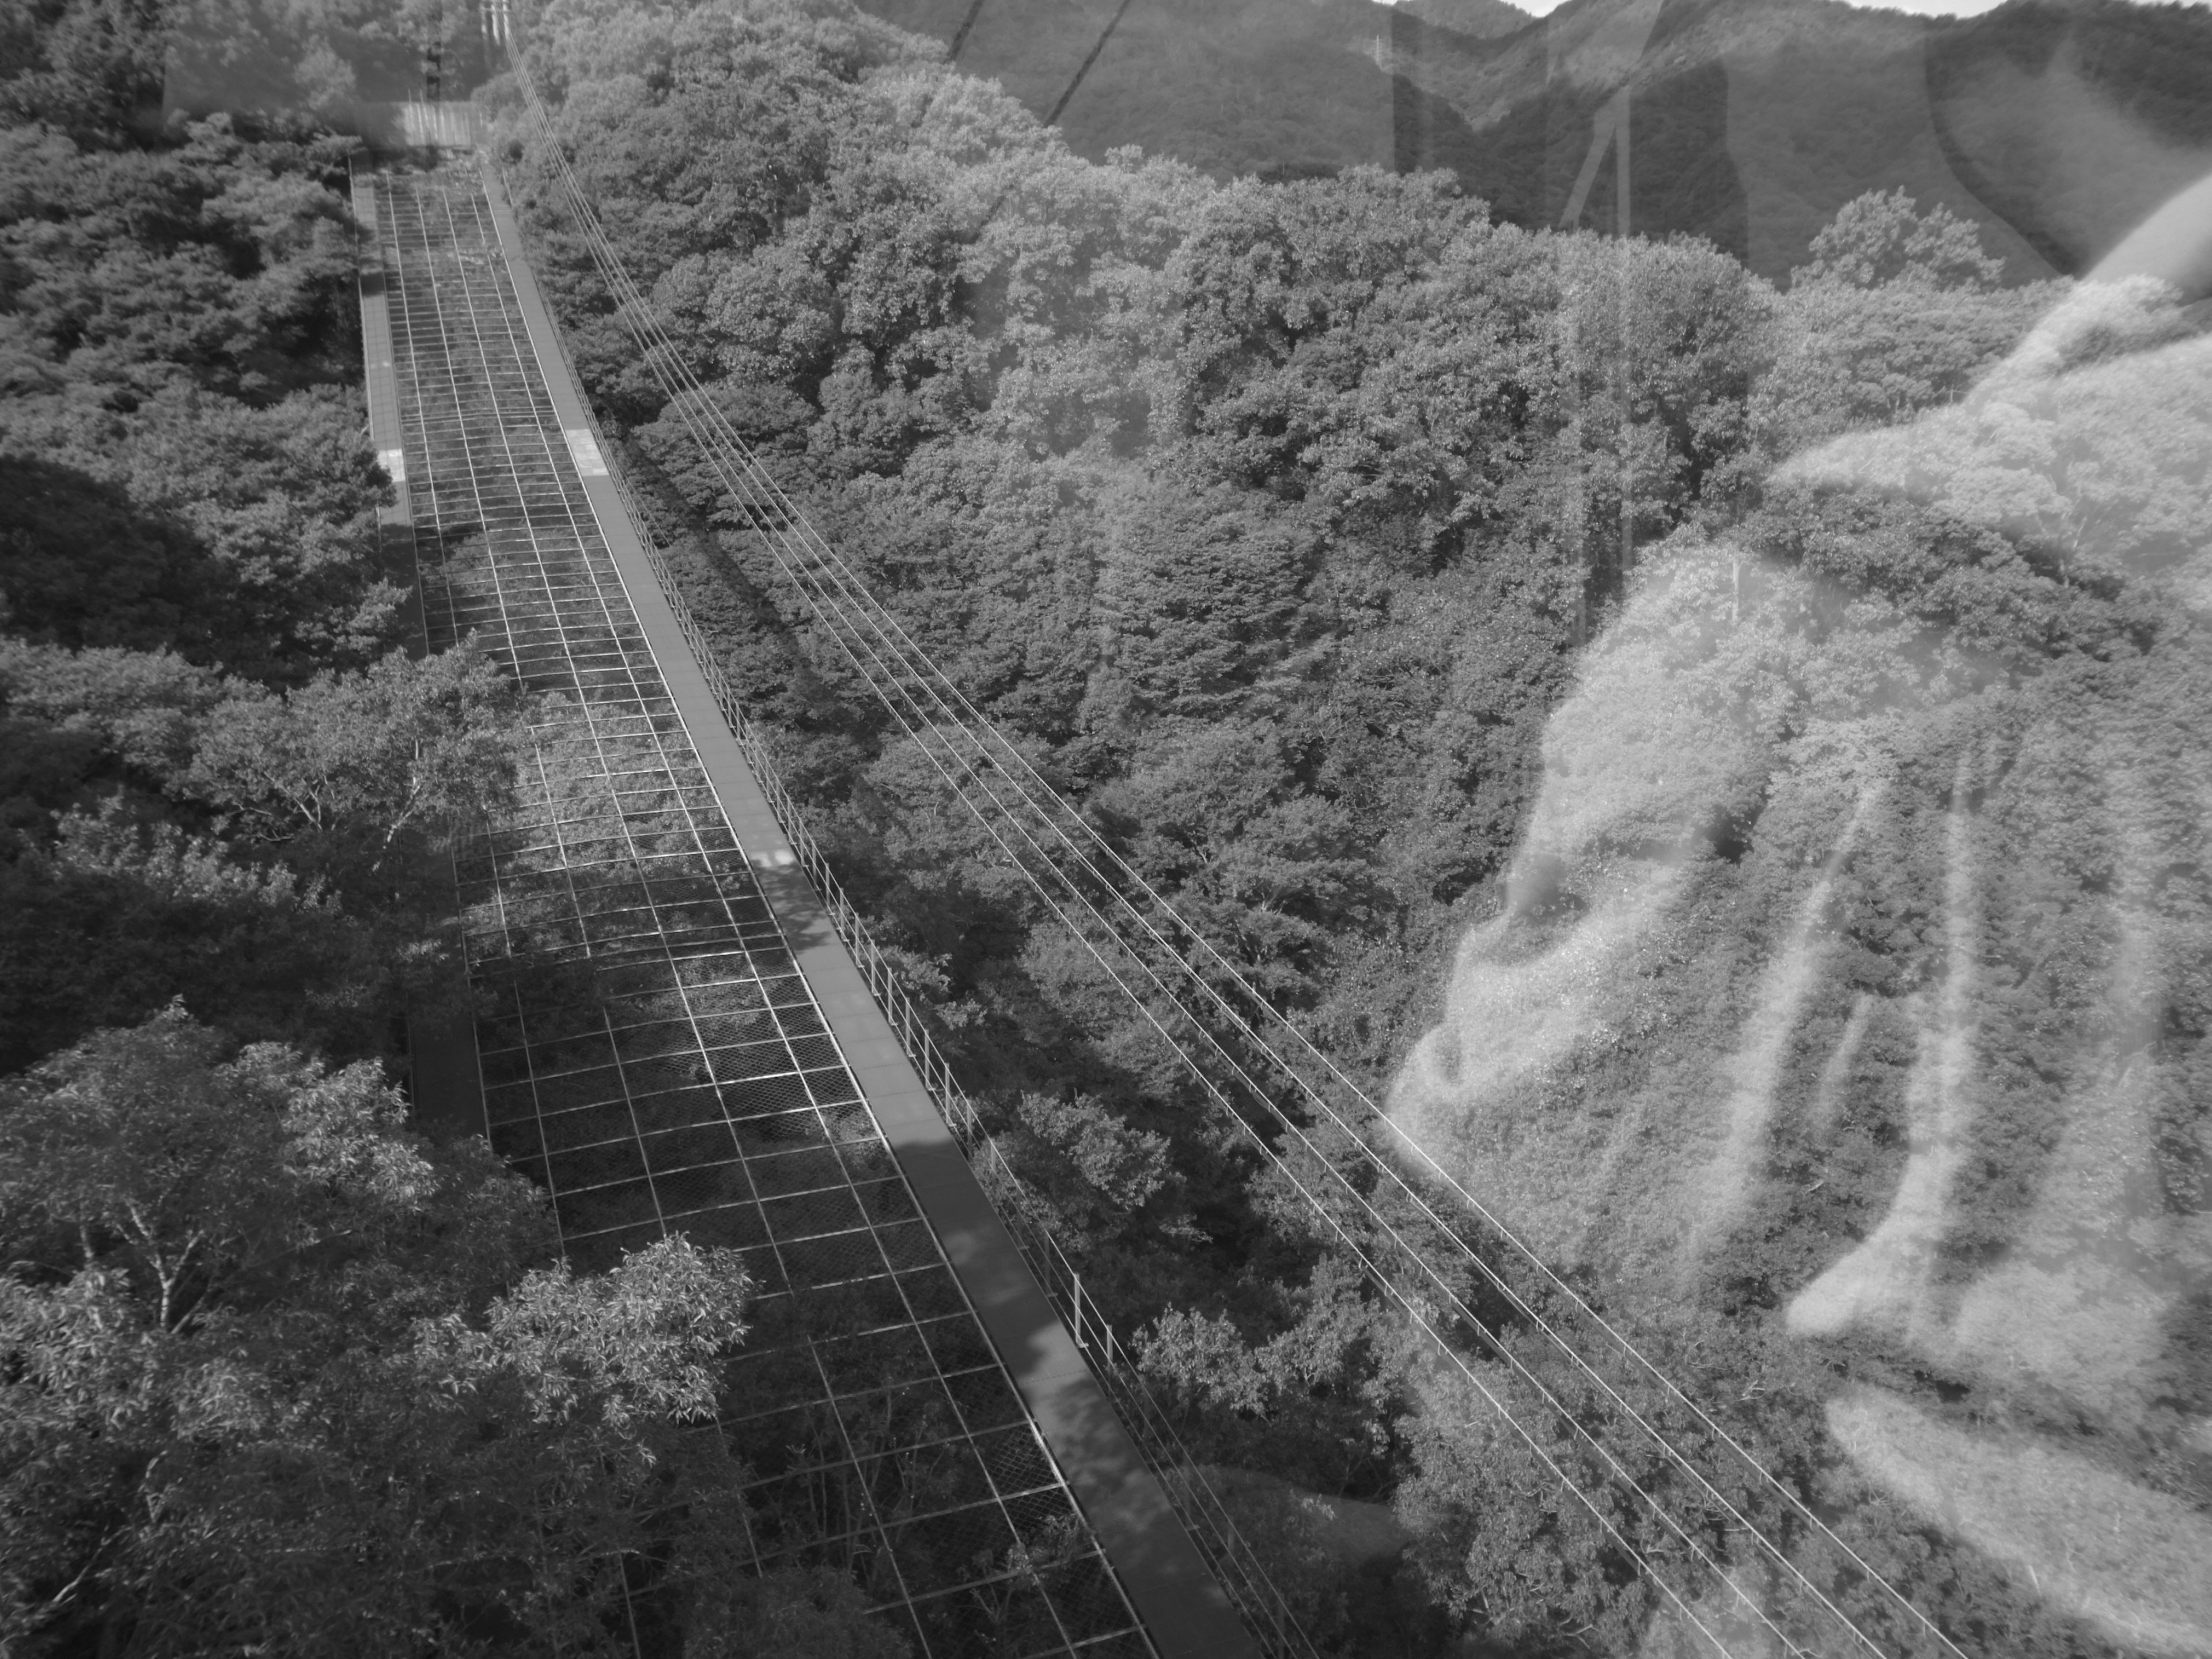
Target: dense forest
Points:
(1760, 857)
(1720, 758)
(277, 1374)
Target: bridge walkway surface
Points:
(679, 1041)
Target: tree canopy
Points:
(277, 1373)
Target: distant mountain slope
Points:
(2073, 121)
(2055, 125)
(1274, 86)
(1484, 19)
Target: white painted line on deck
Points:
(584, 449)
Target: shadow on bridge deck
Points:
(471, 401)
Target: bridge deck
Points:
(679, 1043)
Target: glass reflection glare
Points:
(1830, 861)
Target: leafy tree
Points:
(1897, 312)
(96, 67)
(1316, 1402)
(298, 898)
(355, 774)
(1204, 589)
(116, 917)
(1098, 1175)
(189, 474)
(1882, 238)
(279, 1372)
(217, 261)
(79, 718)
(237, 536)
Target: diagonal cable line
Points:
(842, 636)
(1195, 942)
(784, 519)
(967, 23)
(685, 396)
(857, 625)
(976, 775)
(1375, 1272)
(1097, 46)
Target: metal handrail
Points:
(1199, 1507)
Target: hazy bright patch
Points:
(2128, 1559)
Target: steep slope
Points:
(1751, 121)
(2052, 124)
(2075, 121)
(1480, 18)
(1278, 88)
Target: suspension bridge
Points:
(695, 1033)
(688, 1036)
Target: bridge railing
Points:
(1195, 1502)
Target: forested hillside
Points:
(277, 1374)
(2050, 125)
(1764, 860)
